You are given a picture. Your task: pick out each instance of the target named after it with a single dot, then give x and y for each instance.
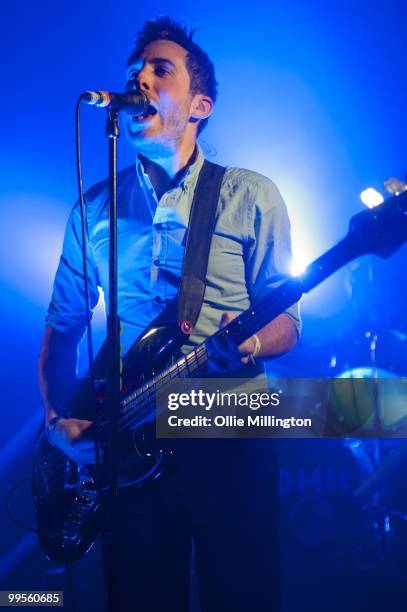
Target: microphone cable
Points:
(84, 233)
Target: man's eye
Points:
(161, 71)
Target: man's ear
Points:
(201, 108)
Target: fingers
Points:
(224, 354)
(84, 453)
(224, 347)
(72, 429)
(72, 437)
(226, 318)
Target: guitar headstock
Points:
(381, 230)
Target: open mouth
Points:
(150, 112)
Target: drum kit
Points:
(358, 481)
(344, 499)
(376, 354)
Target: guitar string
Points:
(186, 367)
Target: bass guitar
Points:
(67, 497)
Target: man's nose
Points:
(143, 80)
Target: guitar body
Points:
(67, 496)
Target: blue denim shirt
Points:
(250, 250)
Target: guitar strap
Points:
(196, 255)
(185, 308)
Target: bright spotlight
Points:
(371, 198)
(298, 264)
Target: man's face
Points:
(161, 73)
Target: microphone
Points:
(132, 102)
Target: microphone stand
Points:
(113, 375)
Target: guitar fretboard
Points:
(139, 405)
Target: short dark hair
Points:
(200, 68)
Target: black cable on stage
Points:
(33, 530)
(84, 229)
(9, 510)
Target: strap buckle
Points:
(186, 327)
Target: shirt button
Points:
(157, 299)
(158, 226)
(156, 261)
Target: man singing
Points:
(220, 499)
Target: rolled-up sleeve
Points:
(67, 309)
(270, 253)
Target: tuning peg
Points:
(394, 186)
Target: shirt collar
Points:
(188, 178)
